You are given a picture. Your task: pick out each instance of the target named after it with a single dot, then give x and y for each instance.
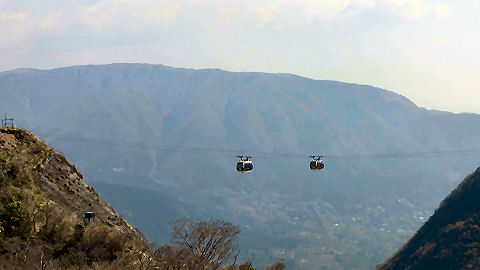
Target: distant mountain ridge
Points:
(380, 202)
(450, 239)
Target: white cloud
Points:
(267, 12)
(441, 10)
(297, 12)
(14, 26)
(415, 9)
(319, 7)
(103, 14)
(106, 14)
(367, 3)
(17, 26)
(50, 23)
(96, 16)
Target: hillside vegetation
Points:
(450, 239)
(43, 200)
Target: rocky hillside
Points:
(450, 239)
(28, 161)
(43, 200)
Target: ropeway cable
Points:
(234, 152)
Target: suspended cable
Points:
(255, 154)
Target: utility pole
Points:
(7, 122)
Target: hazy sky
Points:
(428, 51)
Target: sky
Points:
(426, 50)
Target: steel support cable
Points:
(254, 154)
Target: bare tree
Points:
(235, 257)
(277, 266)
(248, 265)
(47, 210)
(213, 241)
(144, 256)
(38, 203)
(45, 257)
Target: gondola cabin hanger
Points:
(245, 164)
(316, 164)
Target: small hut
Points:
(88, 217)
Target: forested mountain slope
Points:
(450, 239)
(166, 129)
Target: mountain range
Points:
(141, 131)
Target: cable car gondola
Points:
(317, 163)
(244, 165)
